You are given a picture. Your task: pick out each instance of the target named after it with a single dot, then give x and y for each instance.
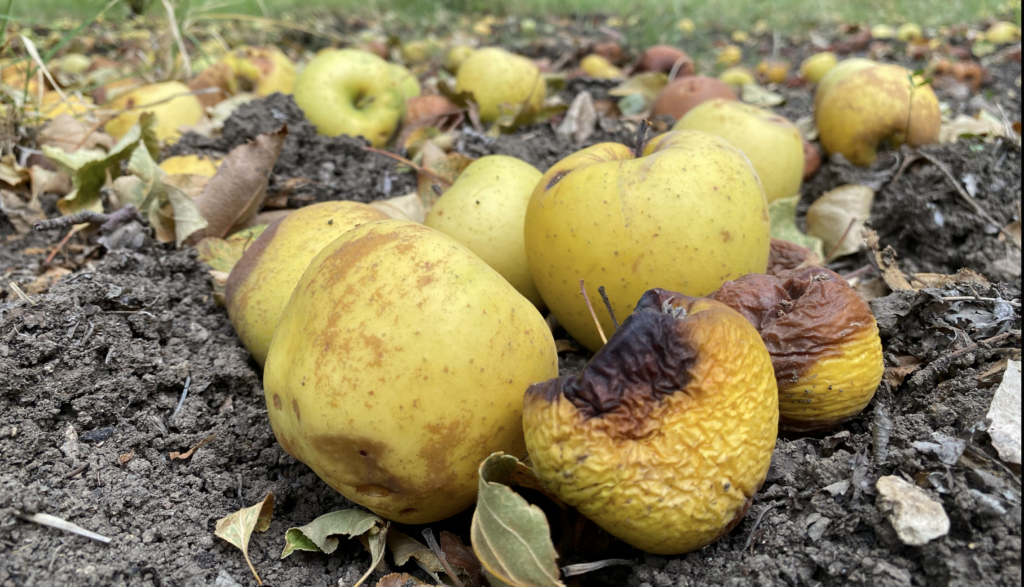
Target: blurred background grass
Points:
(782, 15)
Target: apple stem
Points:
(608, 304)
(641, 137)
(586, 298)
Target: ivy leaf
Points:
(783, 225)
(238, 527)
(511, 537)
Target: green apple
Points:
(351, 92)
(409, 83)
(501, 82)
(260, 70)
(455, 56)
(772, 143)
(485, 209)
(687, 215)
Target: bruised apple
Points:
(688, 214)
(260, 70)
(171, 102)
(399, 365)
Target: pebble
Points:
(1005, 415)
(915, 516)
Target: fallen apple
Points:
(596, 66)
(686, 93)
(455, 56)
(860, 106)
(729, 55)
(190, 165)
(485, 210)
(737, 77)
(666, 435)
(351, 92)
(816, 66)
(665, 59)
(772, 143)
(399, 365)
(409, 83)
(1003, 32)
(263, 279)
(260, 70)
(171, 102)
(501, 82)
(773, 70)
(687, 213)
(909, 32)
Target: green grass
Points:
(784, 14)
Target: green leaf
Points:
(783, 225)
(238, 527)
(404, 547)
(187, 217)
(511, 537)
(318, 535)
(221, 254)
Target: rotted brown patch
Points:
(784, 255)
(358, 460)
(437, 451)
(336, 266)
(244, 267)
(647, 359)
(556, 178)
(803, 315)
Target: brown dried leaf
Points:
(70, 134)
(125, 458)
(45, 181)
(907, 365)
(238, 527)
(886, 261)
(462, 556)
(11, 173)
(214, 80)
(401, 580)
(180, 456)
(838, 217)
(448, 167)
(236, 193)
(20, 212)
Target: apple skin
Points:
(817, 66)
(261, 70)
(485, 210)
(351, 92)
(772, 143)
(688, 215)
(686, 93)
(501, 81)
(455, 56)
(409, 83)
(867, 105)
(597, 66)
(171, 113)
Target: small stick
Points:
(29, 300)
(858, 272)
(996, 338)
(641, 137)
(757, 522)
(76, 471)
(978, 299)
(55, 522)
(608, 305)
(593, 315)
(436, 549)
(107, 222)
(184, 394)
(418, 169)
(969, 200)
(59, 246)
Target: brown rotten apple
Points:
(686, 93)
(668, 432)
(823, 342)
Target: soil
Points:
(94, 372)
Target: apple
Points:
(610, 50)
(664, 58)
(772, 143)
(686, 93)
(1003, 32)
(730, 55)
(172, 103)
(260, 70)
(455, 56)
(773, 70)
(737, 76)
(409, 83)
(687, 214)
(816, 66)
(863, 105)
(351, 92)
(598, 67)
(882, 32)
(484, 210)
(501, 82)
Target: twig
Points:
(757, 522)
(969, 200)
(593, 315)
(436, 549)
(184, 394)
(107, 222)
(417, 168)
(641, 138)
(76, 471)
(173, 23)
(21, 294)
(58, 523)
(60, 246)
(582, 568)
(182, 456)
(858, 272)
(608, 305)
(987, 341)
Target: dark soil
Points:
(94, 371)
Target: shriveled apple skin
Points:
(666, 435)
(688, 216)
(399, 365)
(261, 282)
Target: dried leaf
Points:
(11, 173)
(511, 537)
(462, 557)
(401, 580)
(446, 166)
(239, 526)
(403, 547)
(580, 120)
(181, 456)
(886, 261)
(907, 365)
(70, 134)
(647, 84)
(757, 96)
(45, 181)
(21, 213)
(408, 207)
(838, 217)
(968, 126)
(783, 225)
(319, 535)
(1005, 415)
(222, 254)
(236, 193)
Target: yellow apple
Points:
(351, 92)
(864, 105)
(909, 32)
(263, 279)
(171, 102)
(1003, 32)
(485, 209)
(501, 82)
(260, 70)
(455, 56)
(400, 364)
(190, 165)
(772, 143)
(409, 83)
(597, 66)
(737, 76)
(687, 215)
(816, 66)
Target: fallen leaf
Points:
(125, 458)
(783, 225)
(886, 261)
(448, 167)
(408, 207)
(755, 95)
(21, 213)
(1005, 415)
(236, 192)
(648, 84)
(45, 181)
(319, 535)
(181, 456)
(462, 557)
(996, 369)
(580, 120)
(965, 125)
(838, 217)
(222, 254)
(401, 580)
(70, 134)
(404, 547)
(907, 365)
(11, 173)
(238, 527)
(511, 537)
